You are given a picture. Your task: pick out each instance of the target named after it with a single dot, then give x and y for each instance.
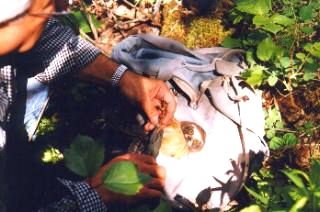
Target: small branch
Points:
(95, 43)
(137, 8)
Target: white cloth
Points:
(12, 8)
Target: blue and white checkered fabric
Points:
(83, 199)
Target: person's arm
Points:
(148, 93)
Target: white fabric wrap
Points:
(12, 8)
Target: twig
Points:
(85, 36)
(137, 8)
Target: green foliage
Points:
(85, 156)
(282, 38)
(46, 125)
(124, 177)
(305, 188)
(52, 155)
(276, 133)
(81, 20)
(300, 193)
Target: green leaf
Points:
(301, 56)
(255, 75)
(124, 177)
(281, 19)
(309, 75)
(272, 80)
(299, 204)
(276, 143)
(79, 18)
(285, 62)
(314, 173)
(251, 208)
(255, 7)
(313, 49)
(295, 176)
(260, 20)
(290, 139)
(305, 13)
(85, 156)
(307, 30)
(231, 43)
(270, 133)
(271, 27)
(265, 49)
(257, 196)
(250, 57)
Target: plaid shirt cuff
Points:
(85, 198)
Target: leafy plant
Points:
(300, 192)
(124, 177)
(85, 156)
(305, 188)
(281, 40)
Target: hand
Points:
(146, 164)
(150, 94)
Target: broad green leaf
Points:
(255, 75)
(305, 13)
(270, 133)
(251, 208)
(260, 20)
(281, 19)
(313, 49)
(250, 57)
(255, 7)
(309, 75)
(271, 27)
(272, 80)
(124, 177)
(231, 43)
(265, 49)
(299, 204)
(84, 156)
(290, 139)
(301, 56)
(285, 62)
(257, 196)
(276, 143)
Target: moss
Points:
(172, 26)
(192, 31)
(205, 32)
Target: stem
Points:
(88, 19)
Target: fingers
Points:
(154, 170)
(171, 108)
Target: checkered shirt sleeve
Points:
(82, 199)
(61, 51)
